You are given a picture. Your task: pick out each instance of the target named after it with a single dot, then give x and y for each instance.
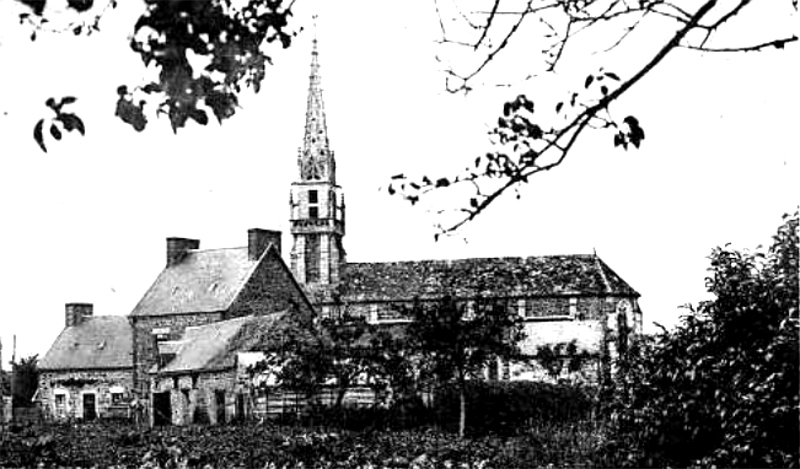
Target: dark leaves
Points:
(38, 135)
(66, 120)
(80, 5)
(559, 106)
(36, 5)
(588, 82)
(635, 134)
(72, 122)
(232, 38)
(131, 113)
(442, 182)
(612, 75)
(200, 116)
(55, 132)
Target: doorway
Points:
(219, 398)
(162, 408)
(89, 407)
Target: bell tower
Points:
(316, 201)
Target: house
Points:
(208, 377)
(202, 381)
(200, 287)
(87, 373)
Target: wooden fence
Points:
(275, 402)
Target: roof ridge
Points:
(193, 251)
(580, 256)
(599, 265)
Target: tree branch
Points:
(777, 43)
(489, 21)
(579, 123)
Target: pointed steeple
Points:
(316, 160)
(316, 201)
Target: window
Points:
(547, 308)
(61, 404)
(116, 398)
(312, 197)
(313, 213)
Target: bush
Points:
(510, 407)
(722, 389)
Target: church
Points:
(181, 351)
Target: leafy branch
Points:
(525, 145)
(206, 52)
(65, 121)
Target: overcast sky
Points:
(87, 221)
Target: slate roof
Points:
(489, 277)
(202, 282)
(214, 346)
(100, 342)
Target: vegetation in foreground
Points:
(268, 446)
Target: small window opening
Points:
(313, 212)
(313, 197)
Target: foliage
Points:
(535, 133)
(66, 120)
(513, 407)
(101, 445)
(342, 350)
(25, 380)
(721, 390)
(455, 343)
(560, 357)
(205, 51)
(294, 354)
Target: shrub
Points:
(509, 407)
(720, 390)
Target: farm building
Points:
(87, 373)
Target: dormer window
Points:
(313, 197)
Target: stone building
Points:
(200, 287)
(205, 379)
(561, 298)
(87, 373)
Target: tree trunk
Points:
(462, 414)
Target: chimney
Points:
(178, 247)
(76, 313)
(258, 240)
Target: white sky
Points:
(87, 221)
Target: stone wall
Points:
(271, 288)
(195, 398)
(73, 385)
(145, 351)
(590, 321)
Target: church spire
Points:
(317, 202)
(316, 160)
